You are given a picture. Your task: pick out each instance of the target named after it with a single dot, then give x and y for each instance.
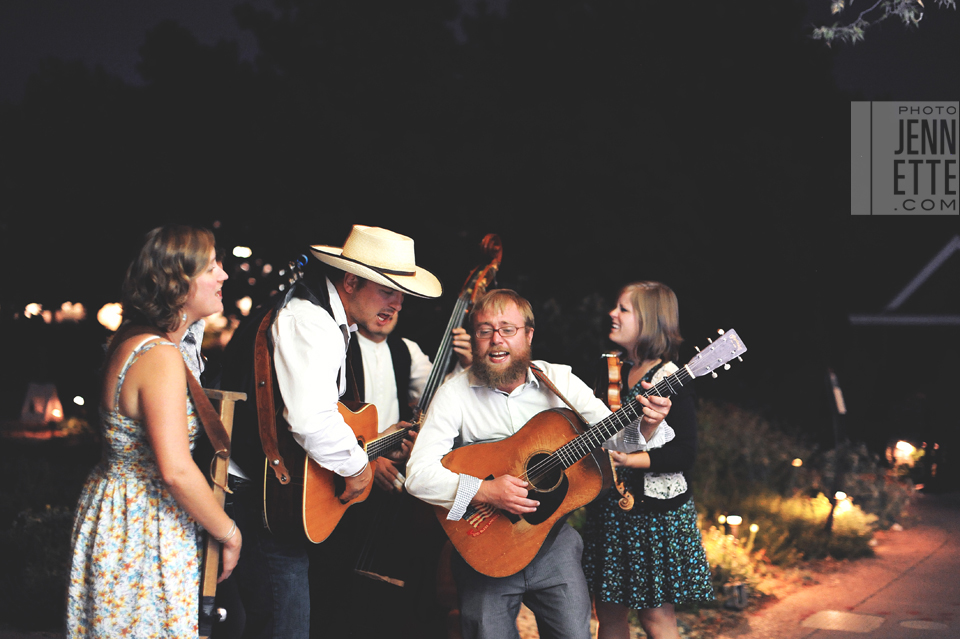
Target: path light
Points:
(844, 503)
(734, 521)
(902, 453)
(243, 252)
(78, 400)
(753, 535)
(797, 463)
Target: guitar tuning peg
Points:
(719, 331)
(726, 367)
(709, 340)
(713, 374)
(697, 348)
(739, 358)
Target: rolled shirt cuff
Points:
(467, 489)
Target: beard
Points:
(495, 377)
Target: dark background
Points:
(704, 145)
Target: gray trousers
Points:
(552, 586)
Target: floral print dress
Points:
(136, 554)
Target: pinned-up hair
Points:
(157, 282)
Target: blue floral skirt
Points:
(642, 559)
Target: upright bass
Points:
(377, 558)
(480, 279)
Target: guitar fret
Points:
(594, 437)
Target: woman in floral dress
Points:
(649, 558)
(136, 562)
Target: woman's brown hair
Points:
(157, 282)
(658, 312)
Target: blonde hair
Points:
(657, 310)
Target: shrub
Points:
(745, 466)
(35, 564)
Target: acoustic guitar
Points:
(563, 461)
(316, 509)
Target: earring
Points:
(183, 318)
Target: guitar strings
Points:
(444, 353)
(594, 436)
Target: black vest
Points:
(400, 355)
(238, 375)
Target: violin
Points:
(614, 379)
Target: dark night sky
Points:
(880, 255)
(100, 32)
(892, 63)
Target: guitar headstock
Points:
(717, 354)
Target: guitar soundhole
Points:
(542, 475)
(339, 485)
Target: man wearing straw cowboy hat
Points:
(362, 283)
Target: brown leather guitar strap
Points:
(626, 501)
(556, 391)
(212, 425)
(266, 415)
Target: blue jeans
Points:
(553, 586)
(271, 575)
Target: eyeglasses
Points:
(507, 330)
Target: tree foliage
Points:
(910, 13)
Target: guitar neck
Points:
(631, 411)
(387, 443)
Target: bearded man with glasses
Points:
(490, 401)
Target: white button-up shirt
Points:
(310, 350)
(380, 381)
(465, 412)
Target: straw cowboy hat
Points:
(383, 257)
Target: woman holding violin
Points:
(648, 557)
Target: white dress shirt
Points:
(380, 381)
(465, 412)
(310, 349)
